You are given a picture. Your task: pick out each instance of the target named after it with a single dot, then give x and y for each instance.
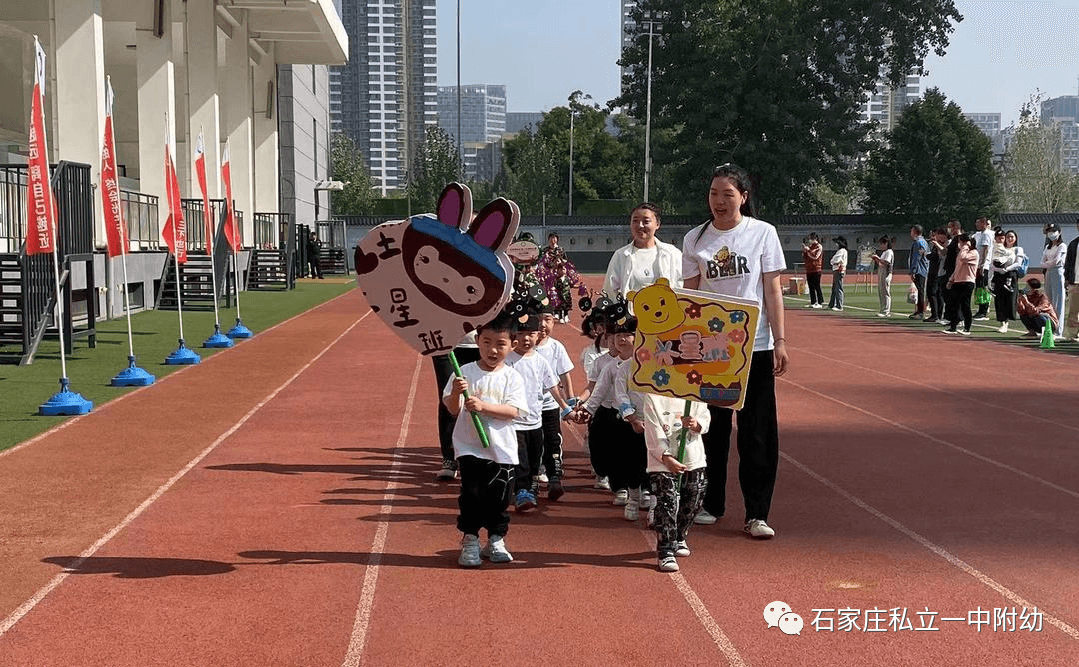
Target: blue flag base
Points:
(182, 355)
(218, 339)
(132, 376)
(239, 331)
(65, 402)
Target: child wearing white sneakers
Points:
(497, 395)
(555, 353)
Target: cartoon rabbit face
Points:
(434, 279)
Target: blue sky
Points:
(542, 50)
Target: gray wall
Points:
(303, 134)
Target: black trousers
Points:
(552, 444)
(951, 302)
(485, 496)
(529, 451)
(629, 458)
(312, 262)
(919, 284)
(443, 373)
(815, 293)
(962, 293)
(982, 280)
(758, 444)
(1004, 295)
(934, 286)
(601, 431)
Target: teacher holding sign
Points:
(735, 254)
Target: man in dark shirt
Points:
(312, 255)
(951, 304)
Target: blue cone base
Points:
(65, 402)
(132, 376)
(218, 340)
(183, 355)
(239, 331)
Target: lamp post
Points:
(570, 209)
(648, 114)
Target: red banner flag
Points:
(40, 211)
(115, 229)
(200, 173)
(232, 235)
(175, 231)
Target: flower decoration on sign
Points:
(694, 311)
(643, 355)
(661, 377)
(694, 377)
(715, 324)
(738, 316)
(737, 336)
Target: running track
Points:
(275, 506)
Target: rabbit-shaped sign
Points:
(435, 278)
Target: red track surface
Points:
(919, 472)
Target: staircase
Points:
(268, 270)
(11, 308)
(197, 279)
(332, 260)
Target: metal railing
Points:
(140, 213)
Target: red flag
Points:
(40, 207)
(200, 173)
(232, 235)
(175, 231)
(115, 229)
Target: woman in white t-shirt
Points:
(884, 262)
(735, 254)
(639, 263)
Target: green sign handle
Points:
(682, 442)
(475, 417)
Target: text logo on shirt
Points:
(726, 263)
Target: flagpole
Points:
(182, 354)
(39, 189)
(217, 339)
(239, 330)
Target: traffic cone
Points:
(1047, 336)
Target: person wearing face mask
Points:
(1053, 263)
(644, 260)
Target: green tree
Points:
(435, 165)
(359, 194)
(1034, 178)
(529, 172)
(774, 86)
(933, 161)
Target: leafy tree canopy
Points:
(774, 85)
(934, 161)
(1034, 177)
(358, 196)
(436, 163)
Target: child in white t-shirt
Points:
(540, 381)
(497, 395)
(555, 353)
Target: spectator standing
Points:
(839, 270)
(1005, 263)
(935, 280)
(884, 262)
(1053, 262)
(313, 246)
(918, 263)
(983, 245)
(950, 303)
(813, 257)
(961, 283)
(1071, 264)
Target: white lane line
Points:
(358, 640)
(719, 638)
(952, 559)
(930, 387)
(933, 438)
(27, 606)
(100, 408)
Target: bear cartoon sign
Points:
(435, 278)
(692, 345)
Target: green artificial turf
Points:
(155, 334)
(863, 304)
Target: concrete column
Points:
(264, 137)
(80, 89)
(236, 102)
(202, 98)
(156, 79)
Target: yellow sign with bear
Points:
(693, 345)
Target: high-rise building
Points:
(483, 112)
(519, 120)
(387, 94)
(886, 102)
(989, 124)
(1064, 112)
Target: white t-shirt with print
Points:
(887, 260)
(503, 386)
(733, 263)
(555, 354)
(539, 378)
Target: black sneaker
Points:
(447, 471)
(555, 490)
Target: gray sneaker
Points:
(704, 518)
(470, 551)
(496, 551)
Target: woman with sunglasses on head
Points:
(735, 254)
